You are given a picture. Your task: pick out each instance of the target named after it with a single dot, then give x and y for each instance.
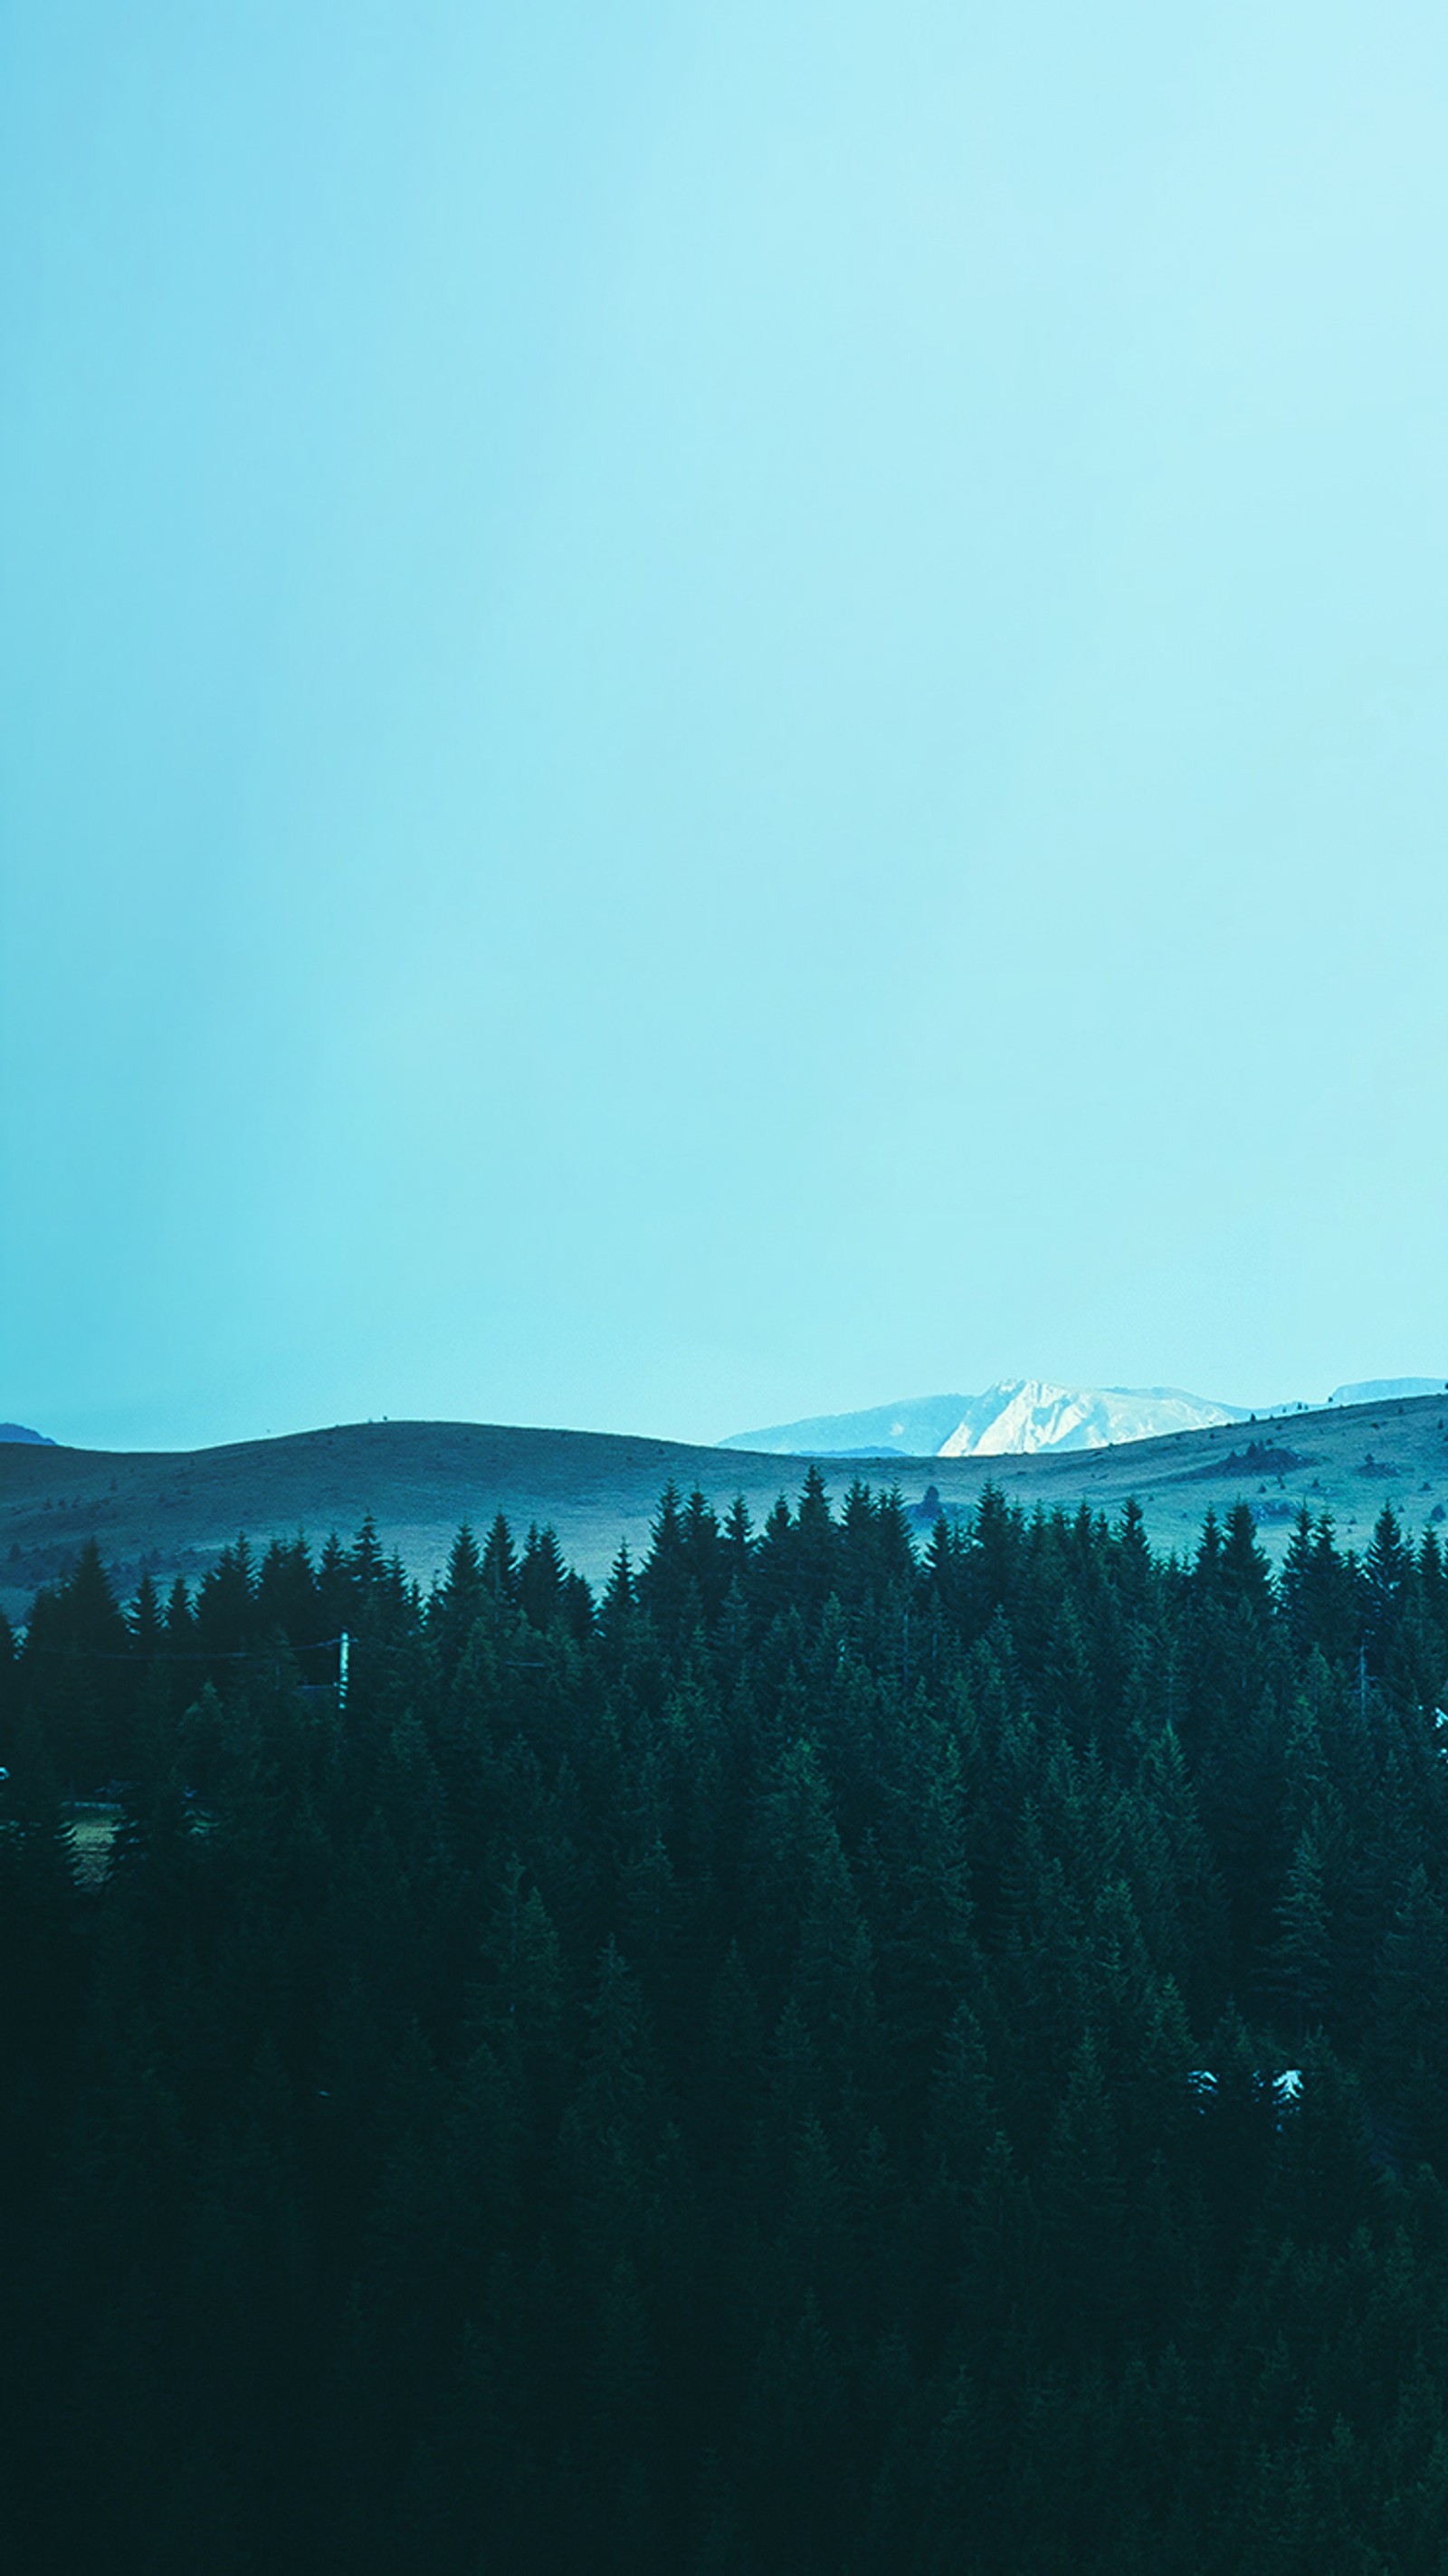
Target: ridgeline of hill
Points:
(172, 1511)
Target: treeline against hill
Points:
(830, 2059)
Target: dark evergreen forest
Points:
(858, 2050)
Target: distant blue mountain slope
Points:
(1387, 1390)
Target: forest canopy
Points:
(856, 2049)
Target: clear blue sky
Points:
(708, 714)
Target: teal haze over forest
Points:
(706, 717)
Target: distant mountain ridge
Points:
(1014, 1418)
(29, 1439)
(1387, 1390)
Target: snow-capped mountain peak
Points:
(1024, 1414)
(1015, 1416)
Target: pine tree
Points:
(541, 1579)
(286, 1595)
(1294, 1584)
(814, 1545)
(1244, 1575)
(1408, 2030)
(665, 1584)
(1331, 1604)
(738, 1540)
(1325, 2184)
(1300, 1960)
(1207, 1566)
(706, 1556)
(459, 1602)
(995, 1556)
(91, 1618)
(365, 1562)
(1387, 1571)
(500, 1562)
(619, 1603)
(225, 1611)
(1082, 2202)
(772, 1571)
(147, 1625)
(1132, 1566)
(180, 1627)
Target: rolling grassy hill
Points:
(175, 1510)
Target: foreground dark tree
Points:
(849, 2055)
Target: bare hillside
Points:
(175, 1510)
